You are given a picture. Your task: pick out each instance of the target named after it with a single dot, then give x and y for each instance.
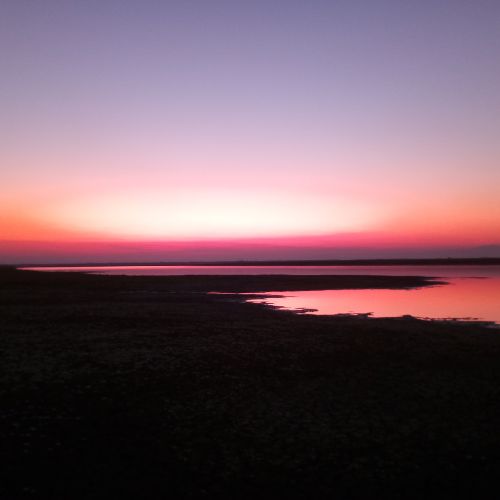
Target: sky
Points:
(156, 130)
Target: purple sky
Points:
(196, 120)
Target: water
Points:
(462, 298)
(441, 271)
(473, 292)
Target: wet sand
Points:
(147, 387)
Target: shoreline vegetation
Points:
(150, 387)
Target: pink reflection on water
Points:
(465, 298)
(395, 270)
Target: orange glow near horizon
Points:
(212, 215)
(357, 206)
(239, 216)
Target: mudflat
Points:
(148, 387)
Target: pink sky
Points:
(335, 131)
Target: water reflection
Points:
(462, 298)
(396, 270)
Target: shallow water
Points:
(462, 298)
(442, 271)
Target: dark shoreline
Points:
(147, 387)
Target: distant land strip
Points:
(476, 261)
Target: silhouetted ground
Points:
(146, 387)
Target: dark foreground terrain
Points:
(146, 387)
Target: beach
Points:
(150, 387)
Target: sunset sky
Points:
(157, 130)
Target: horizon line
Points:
(276, 262)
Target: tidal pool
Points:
(462, 298)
